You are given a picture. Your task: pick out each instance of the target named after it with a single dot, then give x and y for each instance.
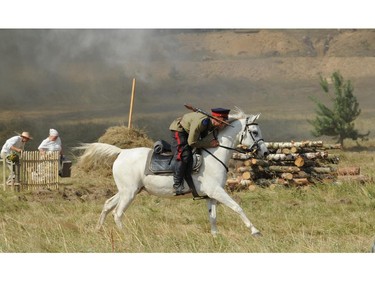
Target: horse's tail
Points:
(97, 154)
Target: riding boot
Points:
(188, 172)
(178, 177)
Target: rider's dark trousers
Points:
(184, 158)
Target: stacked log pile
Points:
(289, 164)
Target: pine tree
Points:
(337, 121)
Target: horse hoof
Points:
(257, 234)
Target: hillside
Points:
(79, 81)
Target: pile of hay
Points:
(123, 137)
(119, 136)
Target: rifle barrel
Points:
(195, 109)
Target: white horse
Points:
(130, 177)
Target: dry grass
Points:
(324, 219)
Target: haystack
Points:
(119, 136)
(123, 137)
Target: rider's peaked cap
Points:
(220, 112)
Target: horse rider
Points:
(188, 132)
(11, 151)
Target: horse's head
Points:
(251, 136)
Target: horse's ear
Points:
(255, 117)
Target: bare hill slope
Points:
(80, 80)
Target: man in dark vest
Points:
(188, 132)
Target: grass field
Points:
(321, 219)
(324, 219)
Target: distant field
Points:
(289, 122)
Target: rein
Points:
(225, 166)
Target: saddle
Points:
(162, 161)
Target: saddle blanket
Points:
(163, 163)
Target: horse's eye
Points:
(255, 133)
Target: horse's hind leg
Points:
(109, 205)
(126, 197)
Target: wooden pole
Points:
(131, 105)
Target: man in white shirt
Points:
(11, 150)
(52, 143)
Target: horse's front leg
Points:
(221, 196)
(211, 206)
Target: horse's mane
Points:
(238, 114)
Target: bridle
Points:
(255, 146)
(253, 149)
